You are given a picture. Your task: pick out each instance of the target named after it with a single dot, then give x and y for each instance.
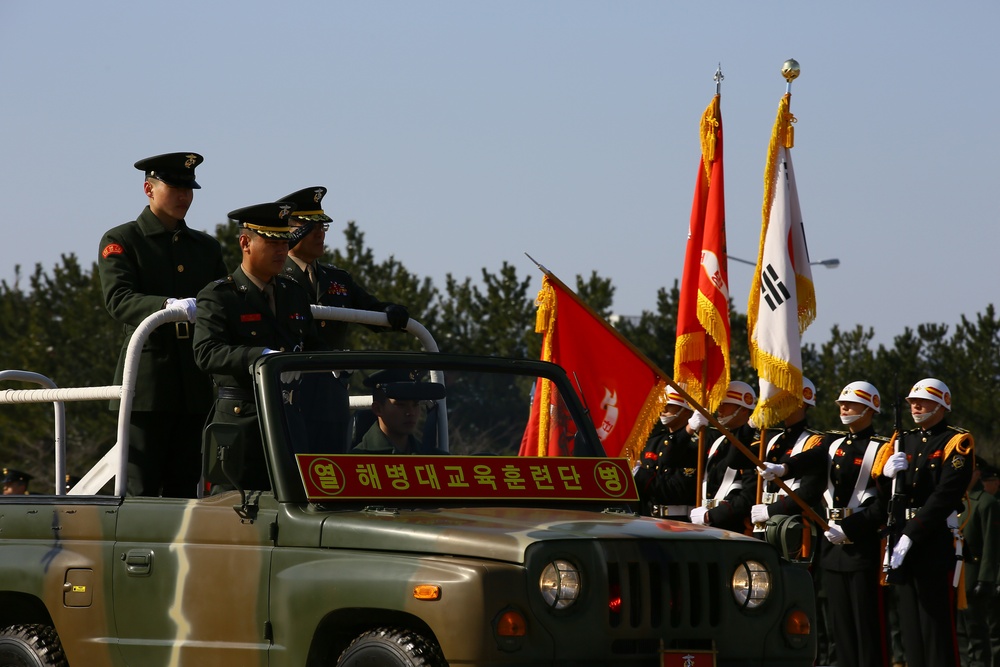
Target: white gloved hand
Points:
(894, 464)
(899, 551)
(835, 534)
(751, 423)
(699, 515)
(188, 305)
(758, 513)
(697, 421)
(772, 470)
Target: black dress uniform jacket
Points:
(733, 511)
(334, 287)
(667, 471)
(142, 264)
(807, 483)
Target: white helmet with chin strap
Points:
(741, 394)
(808, 392)
(933, 390)
(673, 398)
(861, 392)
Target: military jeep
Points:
(460, 552)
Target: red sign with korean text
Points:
(353, 476)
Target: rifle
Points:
(893, 526)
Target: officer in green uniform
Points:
(15, 482)
(252, 312)
(323, 401)
(154, 262)
(980, 523)
(327, 285)
(397, 409)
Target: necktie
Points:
(269, 296)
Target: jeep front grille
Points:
(655, 591)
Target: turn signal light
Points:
(511, 624)
(428, 592)
(797, 623)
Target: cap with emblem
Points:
(11, 476)
(175, 169)
(269, 220)
(308, 204)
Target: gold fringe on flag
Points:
(711, 320)
(709, 132)
(545, 319)
(655, 401)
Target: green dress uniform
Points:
(333, 287)
(980, 523)
(141, 264)
(234, 326)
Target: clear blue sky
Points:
(460, 135)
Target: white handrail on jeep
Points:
(113, 464)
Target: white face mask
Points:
(725, 420)
(665, 419)
(924, 416)
(847, 420)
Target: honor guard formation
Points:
(900, 531)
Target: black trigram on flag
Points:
(774, 291)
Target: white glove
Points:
(751, 424)
(772, 470)
(758, 514)
(697, 421)
(188, 305)
(894, 464)
(835, 534)
(899, 551)
(699, 515)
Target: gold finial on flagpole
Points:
(790, 70)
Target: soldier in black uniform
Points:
(155, 262)
(850, 558)
(785, 443)
(15, 482)
(666, 474)
(327, 285)
(932, 470)
(252, 312)
(727, 489)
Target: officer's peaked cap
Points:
(176, 169)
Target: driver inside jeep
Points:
(399, 404)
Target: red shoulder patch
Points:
(112, 249)
(250, 317)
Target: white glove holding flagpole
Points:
(835, 534)
(699, 515)
(188, 305)
(697, 421)
(772, 470)
(758, 513)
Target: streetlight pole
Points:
(828, 263)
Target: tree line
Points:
(54, 322)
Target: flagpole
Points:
(806, 509)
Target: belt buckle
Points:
(711, 504)
(838, 513)
(657, 511)
(769, 497)
(182, 332)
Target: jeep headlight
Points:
(560, 584)
(751, 584)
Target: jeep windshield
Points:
(346, 426)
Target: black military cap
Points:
(176, 169)
(11, 476)
(268, 220)
(308, 204)
(390, 375)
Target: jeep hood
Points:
(502, 534)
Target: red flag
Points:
(701, 352)
(620, 387)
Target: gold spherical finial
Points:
(790, 70)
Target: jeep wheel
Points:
(389, 647)
(31, 646)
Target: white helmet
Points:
(741, 394)
(933, 390)
(861, 392)
(673, 398)
(808, 392)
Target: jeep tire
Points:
(390, 647)
(31, 646)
